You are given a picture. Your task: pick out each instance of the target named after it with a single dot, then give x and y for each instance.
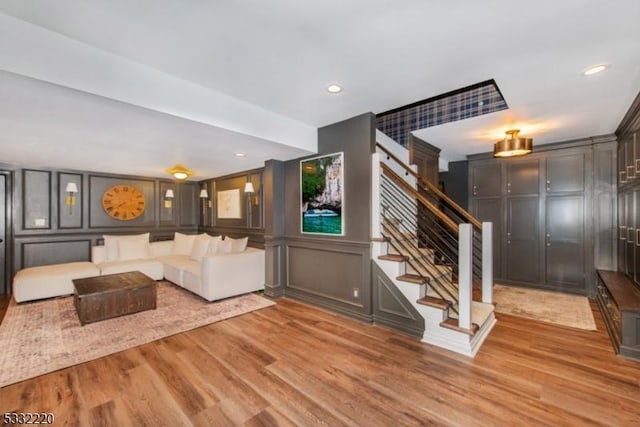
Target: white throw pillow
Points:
(224, 246)
(182, 244)
(112, 248)
(133, 249)
(214, 242)
(237, 245)
(200, 246)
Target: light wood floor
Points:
(293, 364)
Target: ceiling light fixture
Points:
(240, 154)
(512, 145)
(180, 173)
(334, 88)
(595, 70)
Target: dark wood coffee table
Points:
(113, 295)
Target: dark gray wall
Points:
(323, 269)
(455, 182)
(251, 221)
(44, 230)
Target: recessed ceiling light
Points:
(595, 69)
(334, 88)
(240, 154)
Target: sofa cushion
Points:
(150, 267)
(47, 281)
(239, 245)
(182, 244)
(224, 246)
(232, 246)
(133, 249)
(112, 246)
(214, 242)
(200, 247)
(172, 266)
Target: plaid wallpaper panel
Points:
(459, 105)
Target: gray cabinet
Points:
(486, 179)
(540, 206)
(489, 209)
(522, 260)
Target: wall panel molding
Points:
(36, 199)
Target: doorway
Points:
(5, 230)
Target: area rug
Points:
(552, 307)
(44, 336)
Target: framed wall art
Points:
(322, 194)
(228, 202)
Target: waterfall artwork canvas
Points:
(322, 194)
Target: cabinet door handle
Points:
(474, 190)
(623, 232)
(630, 171)
(637, 236)
(623, 178)
(637, 165)
(630, 235)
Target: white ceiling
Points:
(193, 81)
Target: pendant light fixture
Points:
(512, 145)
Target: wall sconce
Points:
(249, 190)
(204, 196)
(70, 200)
(168, 196)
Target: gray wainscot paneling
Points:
(46, 253)
(391, 308)
(335, 275)
(275, 267)
(70, 206)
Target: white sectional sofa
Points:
(207, 266)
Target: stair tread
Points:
(452, 323)
(413, 278)
(393, 257)
(434, 302)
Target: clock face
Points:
(123, 202)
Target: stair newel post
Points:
(465, 274)
(376, 197)
(487, 262)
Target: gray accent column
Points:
(274, 215)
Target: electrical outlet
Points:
(356, 292)
(39, 222)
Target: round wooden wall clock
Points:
(123, 202)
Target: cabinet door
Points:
(622, 174)
(523, 177)
(622, 232)
(490, 210)
(565, 173)
(629, 157)
(523, 241)
(636, 239)
(565, 252)
(630, 215)
(486, 179)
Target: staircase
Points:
(432, 250)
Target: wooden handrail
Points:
(452, 225)
(435, 190)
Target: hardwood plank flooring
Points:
(293, 364)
